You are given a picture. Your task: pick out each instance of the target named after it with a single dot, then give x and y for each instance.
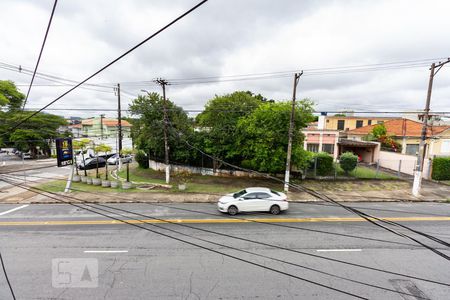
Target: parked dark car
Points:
(91, 163)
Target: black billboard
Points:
(64, 152)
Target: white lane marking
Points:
(338, 250)
(14, 209)
(105, 251)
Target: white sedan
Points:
(253, 199)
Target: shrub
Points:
(441, 168)
(183, 176)
(348, 162)
(324, 163)
(142, 159)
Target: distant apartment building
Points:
(104, 127)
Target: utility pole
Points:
(163, 84)
(119, 120)
(101, 126)
(434, 69)
(291, 132)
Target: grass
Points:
(59, 186)
(362, 172)
(223, 185)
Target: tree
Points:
(379, 130)
(263, 136)
(219, 123)
(148, 130)
(10, 96)
(348, 162)
(35, 132)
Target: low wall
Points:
(199, 170)
(406, 163)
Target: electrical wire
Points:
(40, 53)
(219, 244)
(6, 277)
(109, 64)
(93, 209)
(365, 216)
(262, 243)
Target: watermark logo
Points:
(75, 273)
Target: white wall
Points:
(391, 160)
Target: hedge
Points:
(441, 168)
(142, 159)
(324, 163)
(348, 162)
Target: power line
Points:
(6, 277)
(110, 63)
(94, 210)
(227, 235)
(40, 53)
(365, 216)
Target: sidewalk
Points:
(429, 194)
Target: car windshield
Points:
(240, 193)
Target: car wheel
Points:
(232, 210)
(275, 210)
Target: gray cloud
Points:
(234, 37)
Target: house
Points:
(104, 128)
(75, 130)
(408, 133)
(346, 123)
(318, 138)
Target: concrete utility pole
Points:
(119, 120)
(101, 126)
(163, 84)
(421, 154)
(291, 132)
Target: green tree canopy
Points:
(220, 119)
(149, 128)
(10, 96)
(263, 136)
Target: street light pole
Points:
(434, 69)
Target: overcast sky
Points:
(231, 37)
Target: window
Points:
(412, 149)
(312, 147)
(329, 148)
(251, 196)
(239, 194)
(369, 122)
(340, 124)
(359, 123)
(380, 122)
(263, 196)
(445, 146)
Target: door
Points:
(249, 202)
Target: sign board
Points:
(64, 152)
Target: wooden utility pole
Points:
(291, 132)
(119, 120)
(163, 84)
(101, 126)
(421, 154)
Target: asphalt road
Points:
(48, 248)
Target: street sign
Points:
(64, 151)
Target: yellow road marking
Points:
(211, 221)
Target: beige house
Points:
(351, 122)
(408, 133)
